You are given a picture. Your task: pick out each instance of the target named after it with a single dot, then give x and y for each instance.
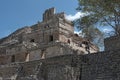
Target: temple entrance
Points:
(50, 38)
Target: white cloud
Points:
(76, 32)
(107, 30)
(76, 16)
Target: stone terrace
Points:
(100, 66)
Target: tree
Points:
(93, 34)
(89, 31)
(100, 13)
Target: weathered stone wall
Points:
(35, 55)
(5, 60)
(100, 66)
(112, 43)
(49, 13)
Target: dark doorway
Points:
(51, 38)
(13, 58)
(68, 41)
(32, 40)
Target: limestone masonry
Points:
(49, 50)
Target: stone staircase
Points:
(29, 71)
(7, 73)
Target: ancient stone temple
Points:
(53, 36)
(49, 50)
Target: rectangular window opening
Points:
(13, 58)
(51, 38)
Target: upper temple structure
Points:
(54, 36)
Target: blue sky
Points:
(15, 14)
